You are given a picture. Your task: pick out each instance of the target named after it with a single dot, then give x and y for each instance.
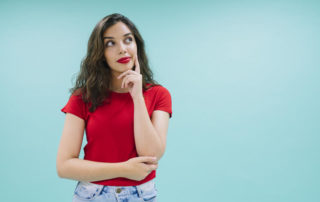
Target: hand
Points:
(132, 80)
(138, 168)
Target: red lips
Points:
(124, 60)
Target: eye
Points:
(129, 38)
(107, 43)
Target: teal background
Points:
(244, 80)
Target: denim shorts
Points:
(86, 191)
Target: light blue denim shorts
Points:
(86, 191)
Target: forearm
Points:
(85, 170)
(148, 142)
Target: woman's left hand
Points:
(132, 80)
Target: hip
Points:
(86, 191)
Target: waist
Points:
(125, 181)
(119, 190)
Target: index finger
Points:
(136, 63)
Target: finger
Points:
(128, 72)
(127, 79)
(153, 162)
(123, 82)
(123, 85)
(153, 167)
(123, 74)
(137, 69)
(148, 159)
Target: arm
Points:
(150, 135)
(84, 170)
(68, 164)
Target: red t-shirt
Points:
(109, 129)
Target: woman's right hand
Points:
(138, 168)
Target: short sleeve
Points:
(164, 101)
(76, 106)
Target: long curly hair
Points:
(94, 79)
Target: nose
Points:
(122, 48)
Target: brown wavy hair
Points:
(94, 79)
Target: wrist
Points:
(139, 98)
(122, 169)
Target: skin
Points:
(149, 134)
(117, 47)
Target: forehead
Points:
(117, 30)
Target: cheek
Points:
(108, 57)
(106, 53)
(132, 46)
(133, 49)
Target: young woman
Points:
(124, 113)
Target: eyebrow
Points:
(109, 37)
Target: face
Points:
(119, 42)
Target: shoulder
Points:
(77, 96)
(157, 88)
(158, 91)
(161, 90)
(77, 92)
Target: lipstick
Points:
(124, 60)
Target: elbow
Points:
(161, 153)
(59, 170)
(59, 173)
(162, 150)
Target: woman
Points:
(124, 113)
